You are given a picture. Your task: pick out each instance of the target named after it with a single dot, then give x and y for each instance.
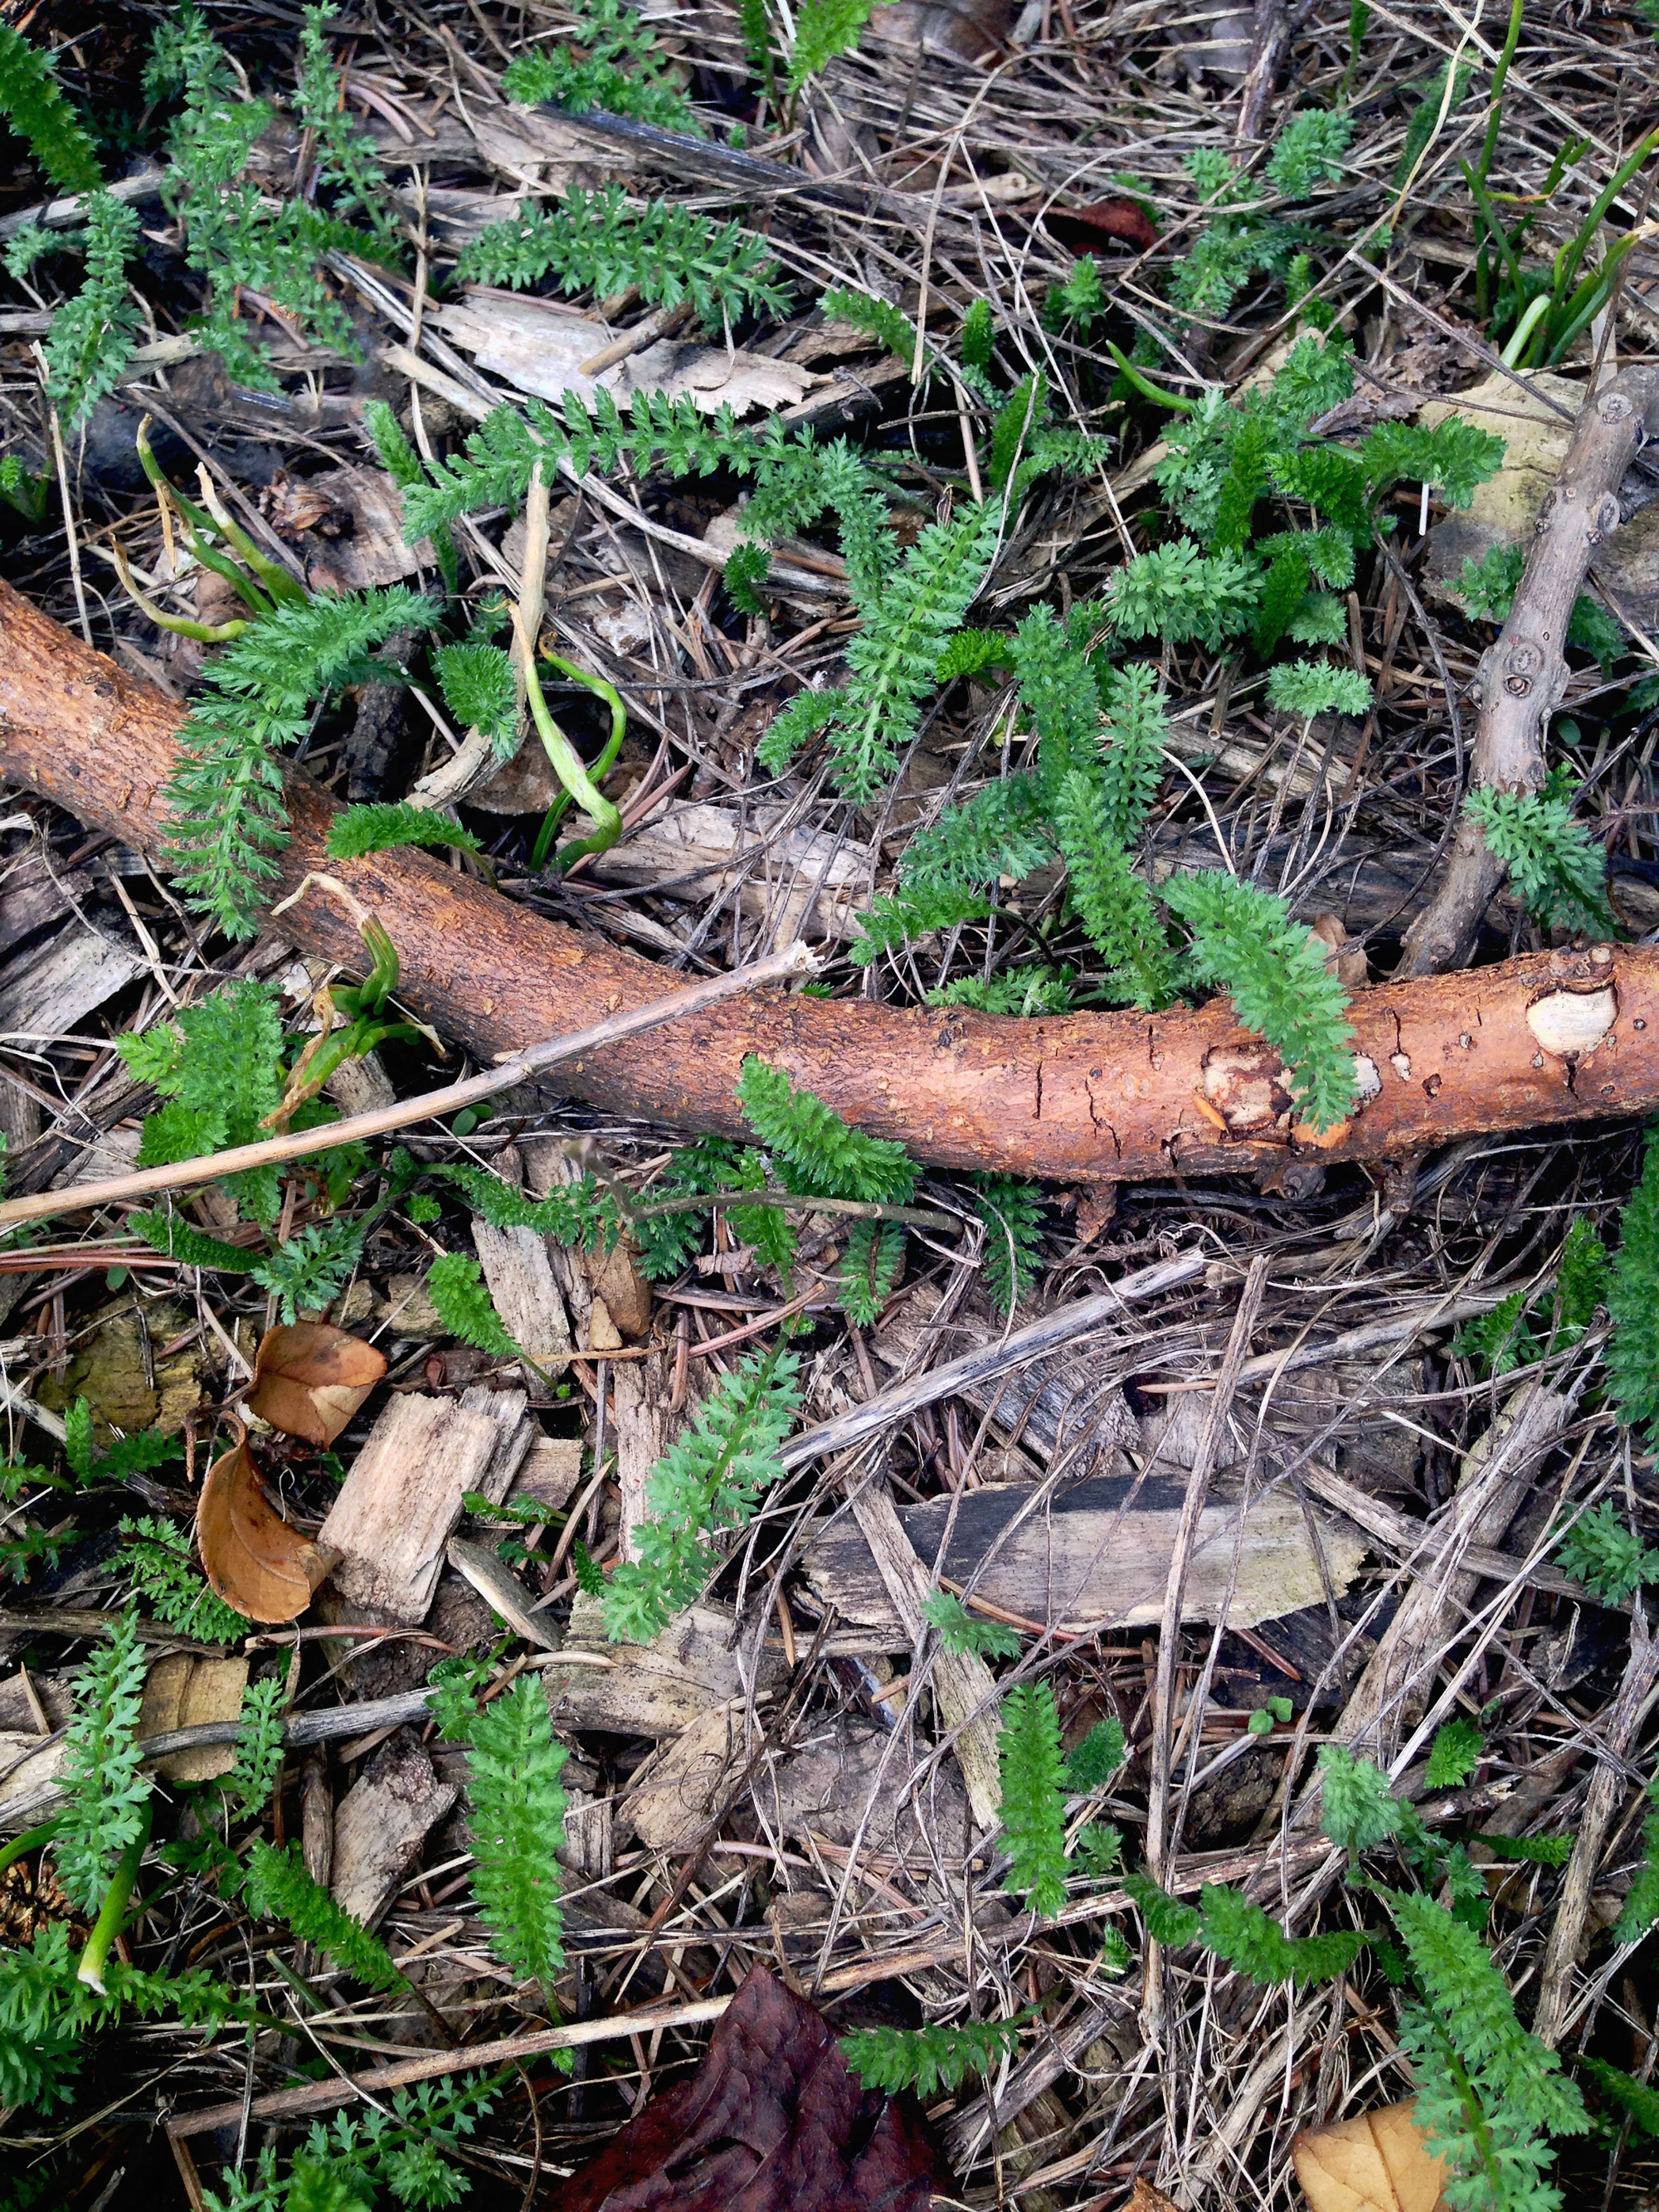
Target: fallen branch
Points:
(1524, 675)
(1549, 1038)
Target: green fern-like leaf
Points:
(102, 1772)
(960, 1630)
(223, 1078)
(1032, 1810)
(1167, 1922)
(1134, 730)
(383, 827)
(402, 465)
(477, 682)
(1178, 593)
(1635, 2099)
(889, 325)
(1358, 1807)
(819, 1156)
(516, 1810)
(595, 241)
(1317, 687)
(1632, 1356)
(90, 342)
(1489, 2094)
(457, 1288)
(279, 1888)
(312, 1268)
(155, 1557)
(1454, 1755)
(892, 661)
(823, 28)
(1111, 901)
(226, 820)
(712, 1478)
(928, 2059)
(259, 1765)
(893, 917)
(869, 1269)
(1093, 1762)
(1310, 151)
(1248, 1939)
(33, 103)
(1000, 831)
(1603, 1551)
(1274, 971)
(177, 1240)
(345, 157)
(613, 65)
(1012, 1213)
(1558, 869)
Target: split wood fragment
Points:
(1092, 1097)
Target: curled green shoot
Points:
(572, 772)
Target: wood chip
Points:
(650, 1689)
(501, 1590)
(179, 1692)
(380, 1824)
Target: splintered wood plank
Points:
(650, 1689)
(1084, 1562)
(380, 1824)
(399, 1504)
(640, 1391)
(51, 993)
(520, 1279)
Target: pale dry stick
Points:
(1169, 1639)
(554, 1052)
(1524, 675)
(1631, 1707)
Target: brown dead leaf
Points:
(260, 1567)
(617, 1280)
(309, 1379)
(1378, 2163)
(1142, 2197)
(179, 1692)
(772, 2120)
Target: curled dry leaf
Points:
(260, 1567)
(1379, 2163)
(309, 1379)
(772, 2121)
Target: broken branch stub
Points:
(1092, 1097)
(1524, 675)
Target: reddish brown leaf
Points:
(1082, 227)
(260, 1567)
(309, 1379)
(771, 2121)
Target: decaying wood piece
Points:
(1524, 675)
(1618, 1732)
(1089, 1559)
(671, 1800)
(964, 1686)
(515, 1266)
(1498, 1472)
(651, 1689)
(503, 1593)
(1097, 1098)
(640, 1391)
(399, 1503)
(380, 1824)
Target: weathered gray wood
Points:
(50, 994)
(380, 1824)
(650, 1689)
(520, 1279)
(402, 1499)
(503, 1592)
(1088, 1560)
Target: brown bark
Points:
(1523, 674)
(1553, 1037)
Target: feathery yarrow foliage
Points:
(1489, 2095)
(226, 820)
(516, 1821)
(33, 102)
(1012, 1213)
(823, 28)
(1454, 1754)
(612, 64)
(1274, 971)
(108, 1791)
(1631, 1358)
(258, 1767)
(382, 826)
(155, 1558)
(596, 242)
(279, 1888)
(1605, 1553)
(1032, 1809)
(457, 1288)
(1091, 1764)
(218, 1065)
(820, 1155)
(90, 345)
(712, 1478)
(1558, 869)
(928, 2059)
(960, 1632)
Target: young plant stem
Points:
(112, 1911)
(567, 764)
(32, 1839)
